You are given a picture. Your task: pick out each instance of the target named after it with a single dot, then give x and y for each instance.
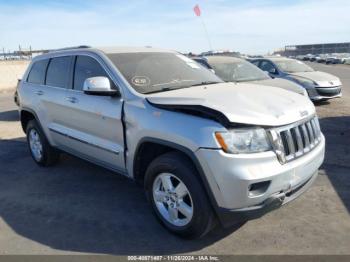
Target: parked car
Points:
(233, 69)
(321, 59)
(204, 150)
(313, 58)
(307, 57)
(319, 85)
(344, 57)
(15, 95)
(333, 60)
(300, 57)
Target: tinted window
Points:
(202, 62)
(255, 63)
(86, 67)
(267, 66)
(37, 73)
(58, 72)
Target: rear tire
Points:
(42, 153)
(186, 199)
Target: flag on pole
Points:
(197, 10)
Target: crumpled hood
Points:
(281, 83)
(241, 103)
(320, 78)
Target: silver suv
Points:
(204, 150)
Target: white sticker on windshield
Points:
(141, 81)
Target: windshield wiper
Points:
(164, 89)
(206, 83)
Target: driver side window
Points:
(86, 67)
(268, 67)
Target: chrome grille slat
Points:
(312, 123)
(299, 139)
(311, 133)
(306, 136)
(296, 140)
(290, 142)
(316, 128)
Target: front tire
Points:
(42, 153)
(177, 196)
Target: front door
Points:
(93, 124)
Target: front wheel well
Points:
(146, 153)
(26, 116)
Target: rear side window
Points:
(58, 72)
(86, 67)
(37, 72)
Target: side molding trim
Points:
(84, 141)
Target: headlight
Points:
(244, 140)
(305, 82)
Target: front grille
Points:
(293, 141)
(332, 91)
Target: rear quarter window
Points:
(37, 72)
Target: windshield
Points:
(238, 71)
(151, 72)
(293, 66)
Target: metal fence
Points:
(20, 54)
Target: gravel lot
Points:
(76, 207)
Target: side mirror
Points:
(98, 86)
(273, 71)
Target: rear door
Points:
(32, 89)
(93, 124)
(50, 79)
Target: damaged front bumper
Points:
(229, 217)
(247, 186)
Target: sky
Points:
(247, 26)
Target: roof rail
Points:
(69, 48)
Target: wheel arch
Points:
(139, 167)
(26, 115)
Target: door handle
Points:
(39, 92)
(72, 99)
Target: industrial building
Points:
(294, 50)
